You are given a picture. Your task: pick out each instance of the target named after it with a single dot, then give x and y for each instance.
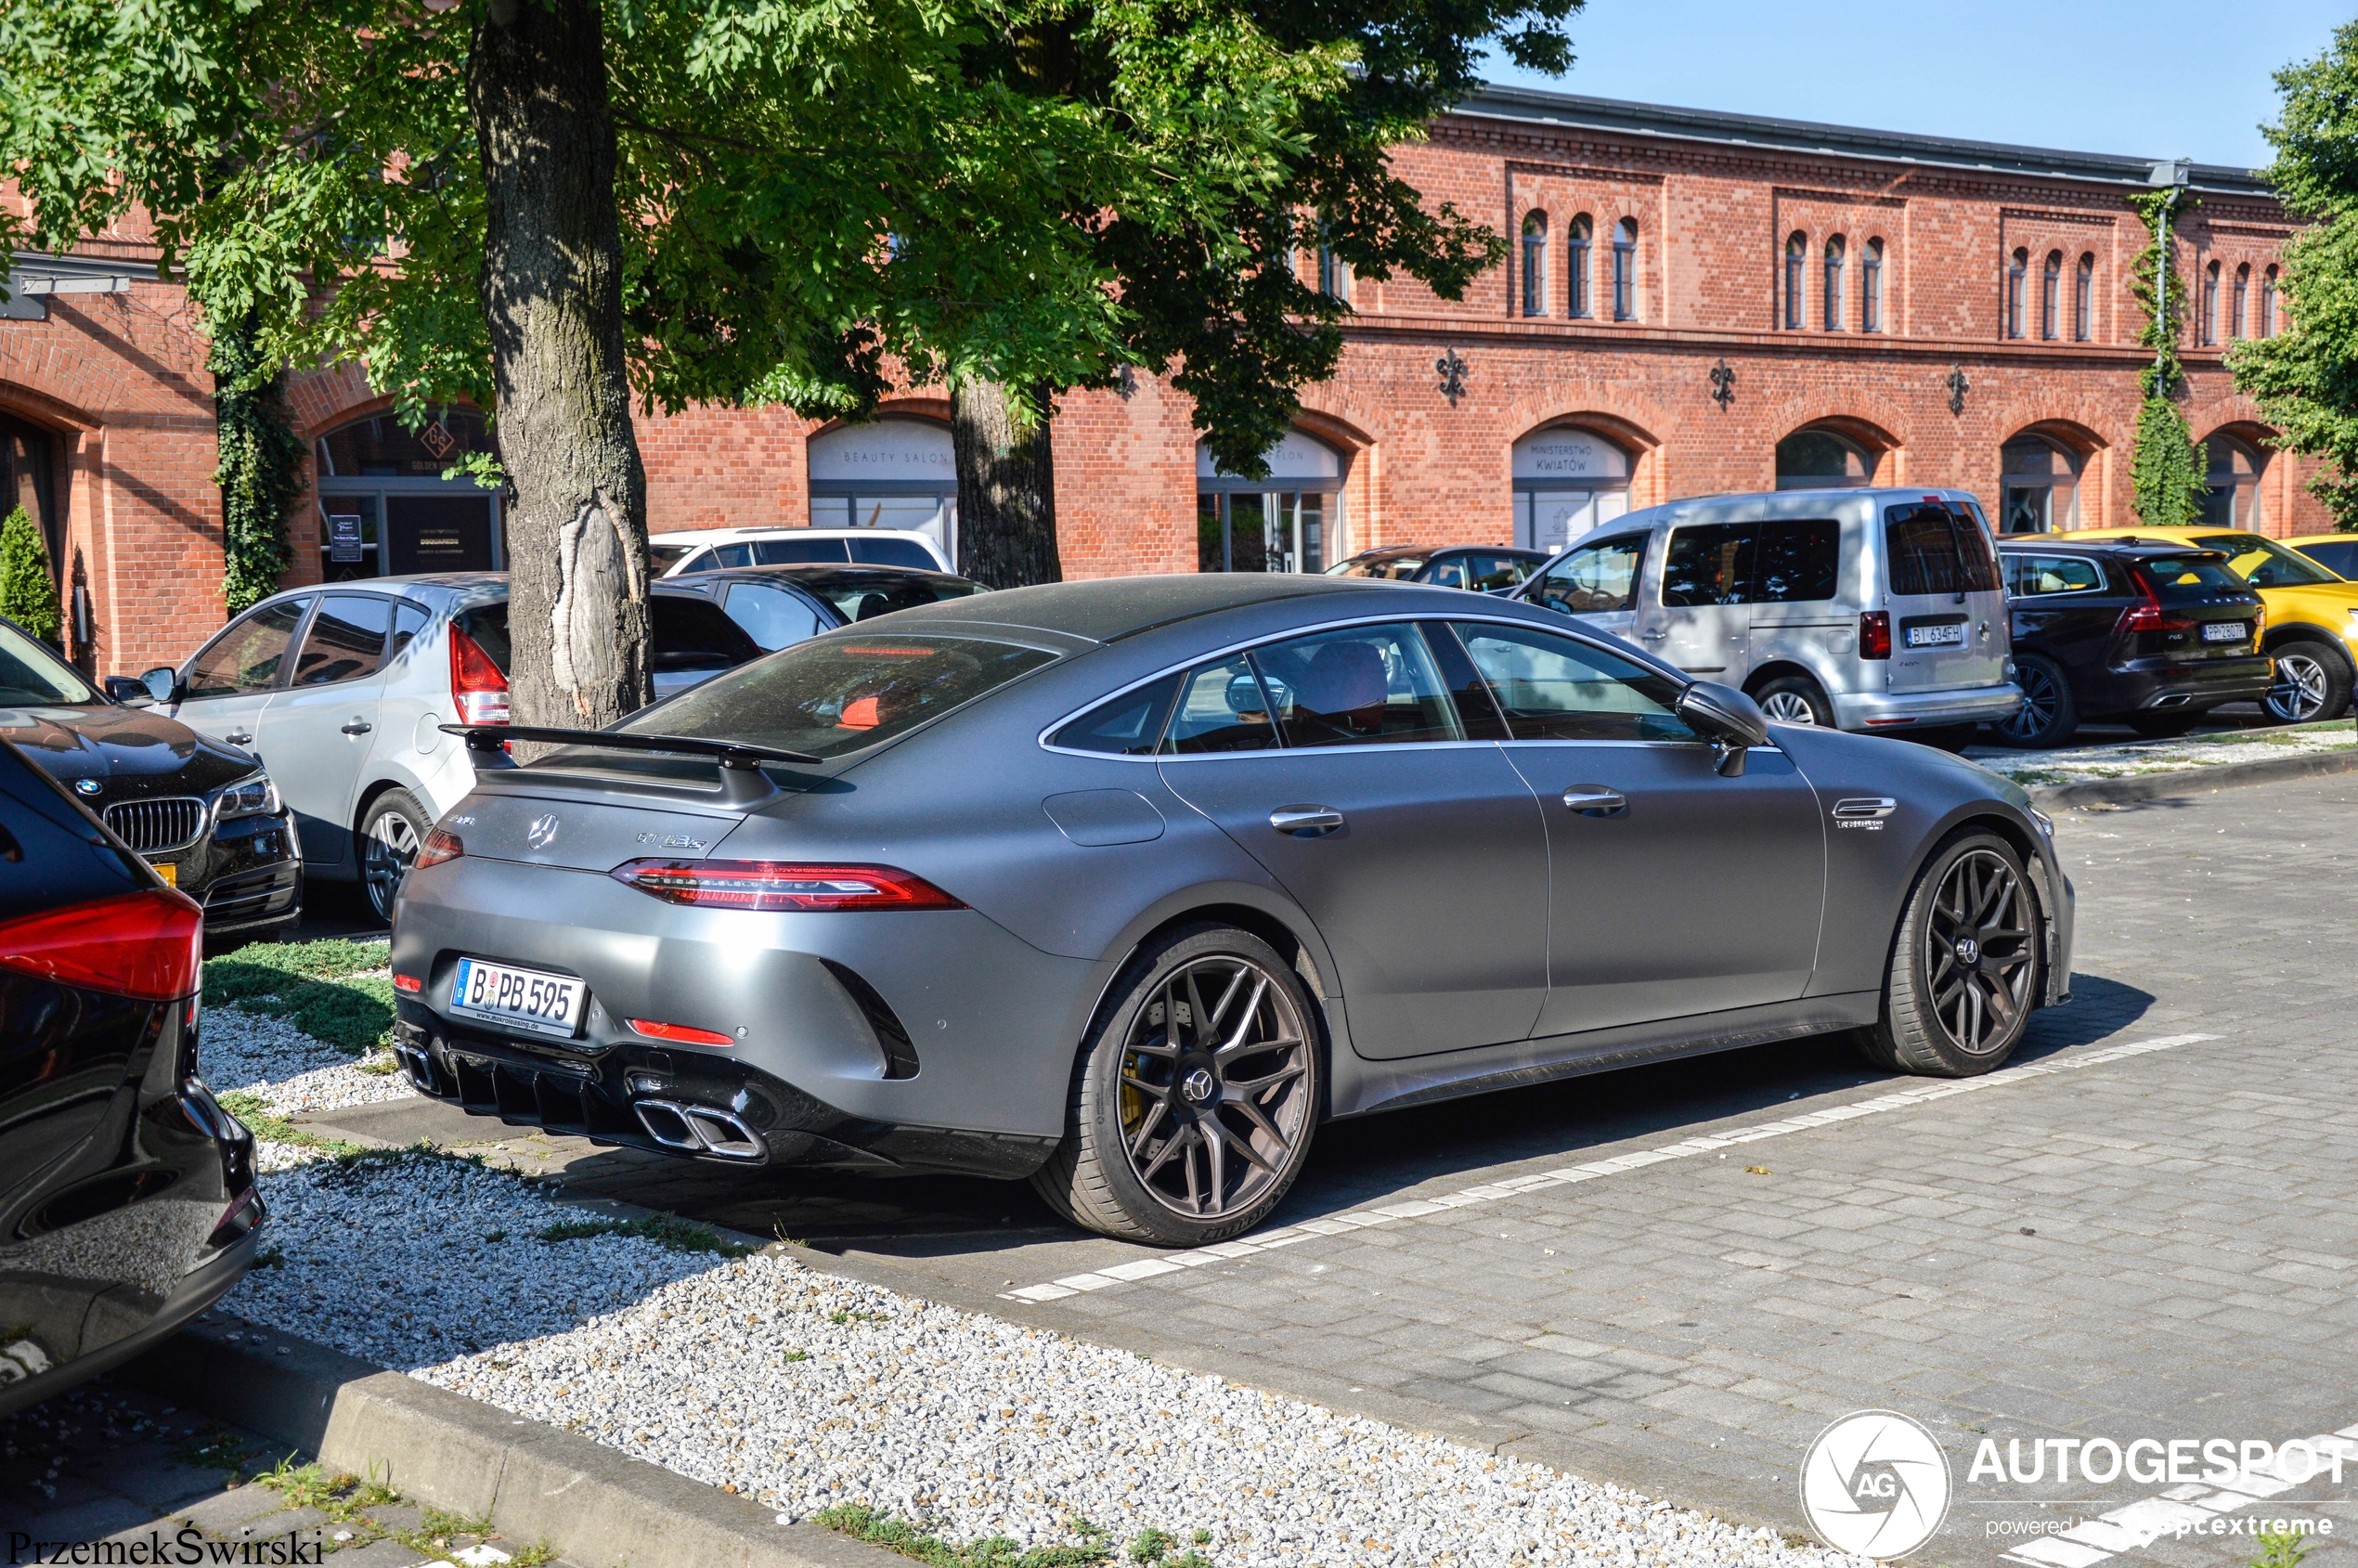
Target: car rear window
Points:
(840, 693)
(893, 552)
(861, 599)
(1933, 549)
(690, 633)
(2189, 577)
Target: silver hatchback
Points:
(1873, 610)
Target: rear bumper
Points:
(2156, 683)
(1875, 711)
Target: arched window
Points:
(2236, 316)
(2209, 304)
(1796, 264)
(2230, 497)
(1870, 288)
(386, 507)
(893, 473)
(1624, 271)
(1567, 481)
(1534, 263)
(2083, 300)
(1833, 283)
(2016, 274)
(1819, 459)
(1576, 240)
(2051, 297)
(2268, 305)
(26, 478)
(2041, 481)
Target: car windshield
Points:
(836, 694)
(2263, 562)
(31, 676)
(1398, 567)
(859, 597)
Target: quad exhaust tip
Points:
(699, 1130)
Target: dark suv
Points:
(1482, 567)
(2154, 634)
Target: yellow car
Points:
(2336, 553)
(2312, 616)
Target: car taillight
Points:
(145, 945)
(772, 886)
(476, 685)
(2149, 615)
(1874, 634)
(437, 848)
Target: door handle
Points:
(239, 737)
(1306, 822)
(358, 727)
(1657, 635)
(1596, 801)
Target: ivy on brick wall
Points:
(261, 471)
(2167, 477)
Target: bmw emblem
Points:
(88, 786)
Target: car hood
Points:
(132, 752)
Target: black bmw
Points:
(204, 814)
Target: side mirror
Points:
(1730, 721)
(124, 689)
(162, 685)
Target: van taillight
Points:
(145, 945)
(476, 685)
(1874, 634)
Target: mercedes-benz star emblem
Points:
(543, 831)
(1968, 951)
(88, 786)
(1198, 1085)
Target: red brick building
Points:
(1695, 302)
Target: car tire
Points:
(1967, 962)
(2167, 725)
(1796, 699)
(1178, 1135)
(2314, 680)
(391, 830)
(2048, 715)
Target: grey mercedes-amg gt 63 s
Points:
(1126, 885)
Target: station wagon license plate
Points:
(1952, 636)
(524, 999)
(2224, 631)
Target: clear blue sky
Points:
(2156, 78)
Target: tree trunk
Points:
(1006, 489)
(553, 298)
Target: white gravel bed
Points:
(291, 1070)
(803, 1390)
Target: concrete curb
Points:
(596, 1507)
(2196, 781)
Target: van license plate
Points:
(2224, 631)
(524, 999)
(1937, 636)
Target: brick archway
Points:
(1631, 422)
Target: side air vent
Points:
(901, 1057)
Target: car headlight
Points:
(2046, 824)
(254, 796)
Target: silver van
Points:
(1876, 610)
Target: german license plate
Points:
(1937, 636)
(524, 999)
(2224, 631)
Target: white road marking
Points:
(1920, 1093)
(2180, 1510)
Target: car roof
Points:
(1107, 609)
(2320, 538)
(2136, 544)
(457, 587)
(809, 572)
(779, 530)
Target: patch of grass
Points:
(381, 1067)
(2280, 1548)
(321, 988)
(214, 1448)
(663, 1230)
(796, 1355)
(439, 1532)
(841, 1318)
(864, 1523)
(270, 1257)
(343, 1497)
(250, 1108)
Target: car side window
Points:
(893, 552)
(691, 634)
(1449, 573)
(773, 616)
(2028, 577)
(802, 552)
(1491, 572)
(1594, 578)
(1709, 563)
(248, 656)
(739, 554)
(410, 622)
(1553, 688)
(1128, 725)
(1796, 561)
(347, 639)
(1220, 708)
(1362, 685)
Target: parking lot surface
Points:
(2141, 1230)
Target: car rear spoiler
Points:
(742, 780)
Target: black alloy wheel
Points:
(391, 831)
(1980, 951)
(2048, 716)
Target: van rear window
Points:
(1933, 549)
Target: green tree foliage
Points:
(27, 591)
(2167, 475)
(260, 470)
(2305, 378)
